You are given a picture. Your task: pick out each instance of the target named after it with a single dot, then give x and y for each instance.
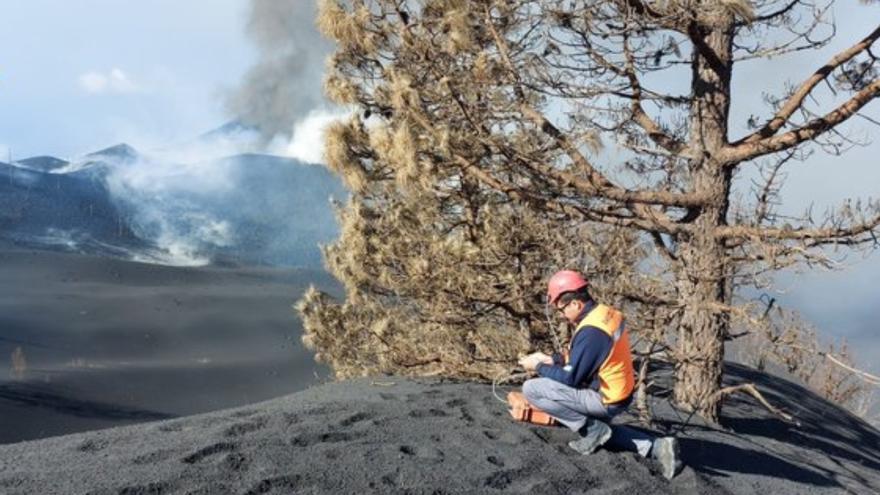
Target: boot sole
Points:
(668, 456)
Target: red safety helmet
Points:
(564, 281)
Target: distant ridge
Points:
(232, 127)
(121, 152)
(42, 163)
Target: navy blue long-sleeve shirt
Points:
(589, 349)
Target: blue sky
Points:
(80, 75)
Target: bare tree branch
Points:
(848, 235)
(568, 208)
(750, 389)
(640, 116)
(751, 150)
(596, 182)
(772, 15)
(797, 98)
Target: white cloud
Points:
(307, 143)
(115, 81)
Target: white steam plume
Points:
(307, 143)
(167, 202)
(285, 84)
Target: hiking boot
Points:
(594, 434)
(665, 451)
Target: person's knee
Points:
(531, 389)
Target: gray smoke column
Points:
(285, 84)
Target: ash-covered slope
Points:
(66, 211)
(395, 435)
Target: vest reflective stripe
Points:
(616, 375)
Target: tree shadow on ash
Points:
(814, 451)
(721, 459)
(824, 426)
(40, 397)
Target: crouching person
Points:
(597, 382)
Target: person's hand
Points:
(531, 362)
(528, 362)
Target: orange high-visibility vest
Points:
(616, 375)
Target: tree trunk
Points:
(701, 269)
(701, 287)
(702, 283)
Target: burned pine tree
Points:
(498, 140)
(440, 272)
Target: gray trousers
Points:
(574, 407)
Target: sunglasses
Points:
(562, 308)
